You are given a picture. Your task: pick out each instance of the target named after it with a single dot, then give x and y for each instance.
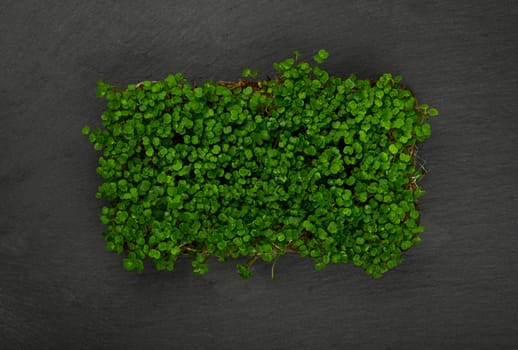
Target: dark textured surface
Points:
(60, 289)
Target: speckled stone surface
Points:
(60, 289)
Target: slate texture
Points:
(60, 289)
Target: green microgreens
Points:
(306, 162)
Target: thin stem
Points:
(252, 260)
(273, 267)
(276, 246)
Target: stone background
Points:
(60, 289)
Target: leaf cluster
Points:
(307, 163)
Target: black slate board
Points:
(60, 289)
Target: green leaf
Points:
(393, 149)
(287, 64)
(426, 130)
(335, 168)
(308, 226)
(85, 130)
(332, 227)
(177, 165)
(244, 271)
(227, 129)
(405, 157)
(110, 246)
(154, 253)
(323, 54)
(406, 245)
(248, 153)
(171, 80)
(349, 84)
(246, 73)
(129, 264)
(311, 150)
(320, 266)
(433, 112)
(198, 92)
(102, 88)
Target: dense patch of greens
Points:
(306, 162)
